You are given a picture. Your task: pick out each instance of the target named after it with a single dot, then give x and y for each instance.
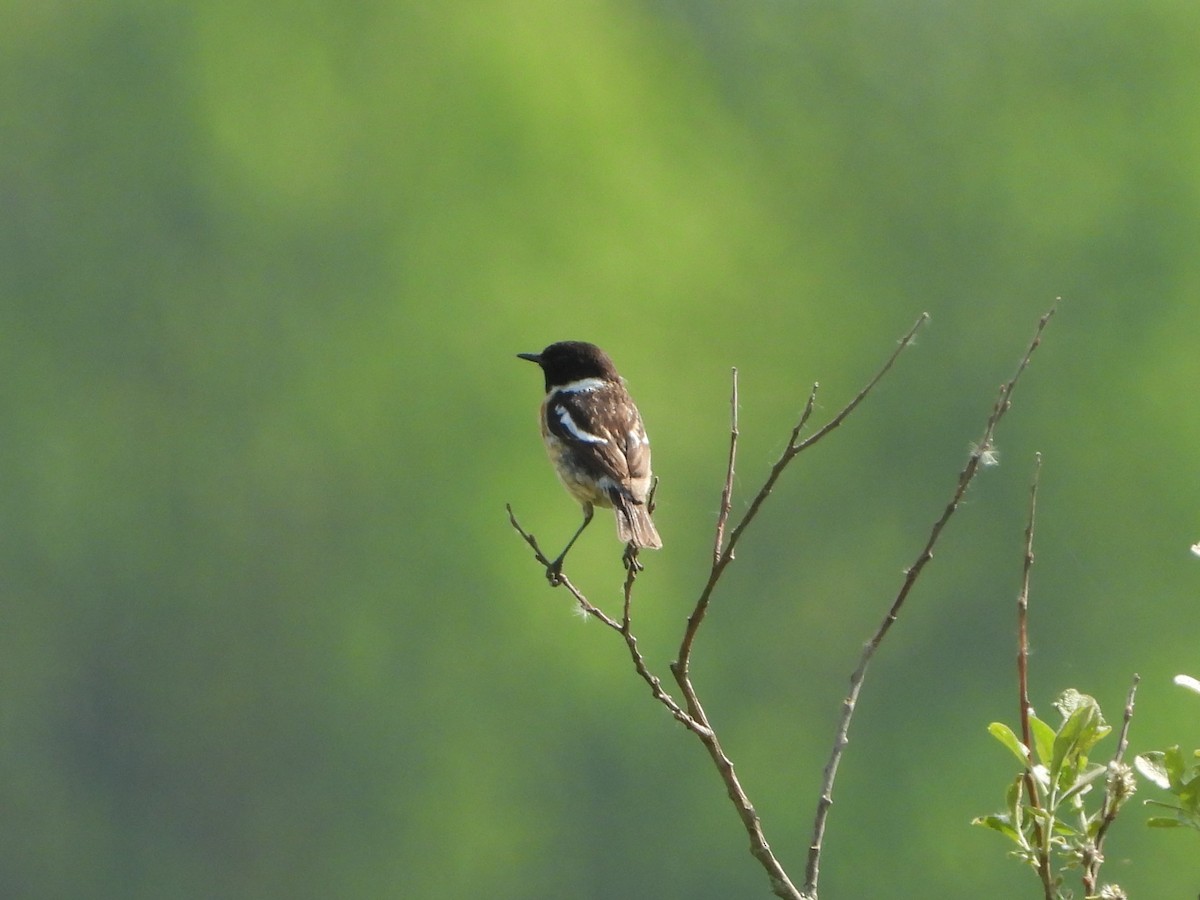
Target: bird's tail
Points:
(634, 525)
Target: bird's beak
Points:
(532, 357)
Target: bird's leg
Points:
(555, 568)
(630, 557)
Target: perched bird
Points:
(596, 441)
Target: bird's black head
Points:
(569, 361)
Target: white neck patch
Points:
(582, 386)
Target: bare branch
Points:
(837, 420)
(795, 445)
(691, 712)
(585, 605)
(722, 557)
(841, 738)
(1031, 786)
(1023, 624)
(700, 728)
(623, 628)
(781, 884)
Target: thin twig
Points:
(631, 574)
(795, 445)
(841, 738)
(699, 727)
(1023, 621)
(727, 492)
(623, 628)
(837, 420)
(722, 557)
(585, 605)
(1112, 803)
(1127, 717)
(1031, 785)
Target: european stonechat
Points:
(596, 441)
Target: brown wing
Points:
(637, 454)
(603, 431)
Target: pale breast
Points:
(578, 483)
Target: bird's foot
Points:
(554, 572)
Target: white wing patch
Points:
(639, 437)
(564, 416)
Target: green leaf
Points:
(1044, 816)
(1163, 822)
(1009, 739)
(1176, 766)
(1043, 739)
(1064, 829)
(1069, 701)
(1152, 765)
(1079, 733)
(1159, 803)
(1000, 824)
(1014, 795)
(1191, 788)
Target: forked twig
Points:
(982, 451)
(1112, 803)
(585, 605)
(624, 627)
(723, 556)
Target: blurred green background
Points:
(263, 270)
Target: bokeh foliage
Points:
(263, 270)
